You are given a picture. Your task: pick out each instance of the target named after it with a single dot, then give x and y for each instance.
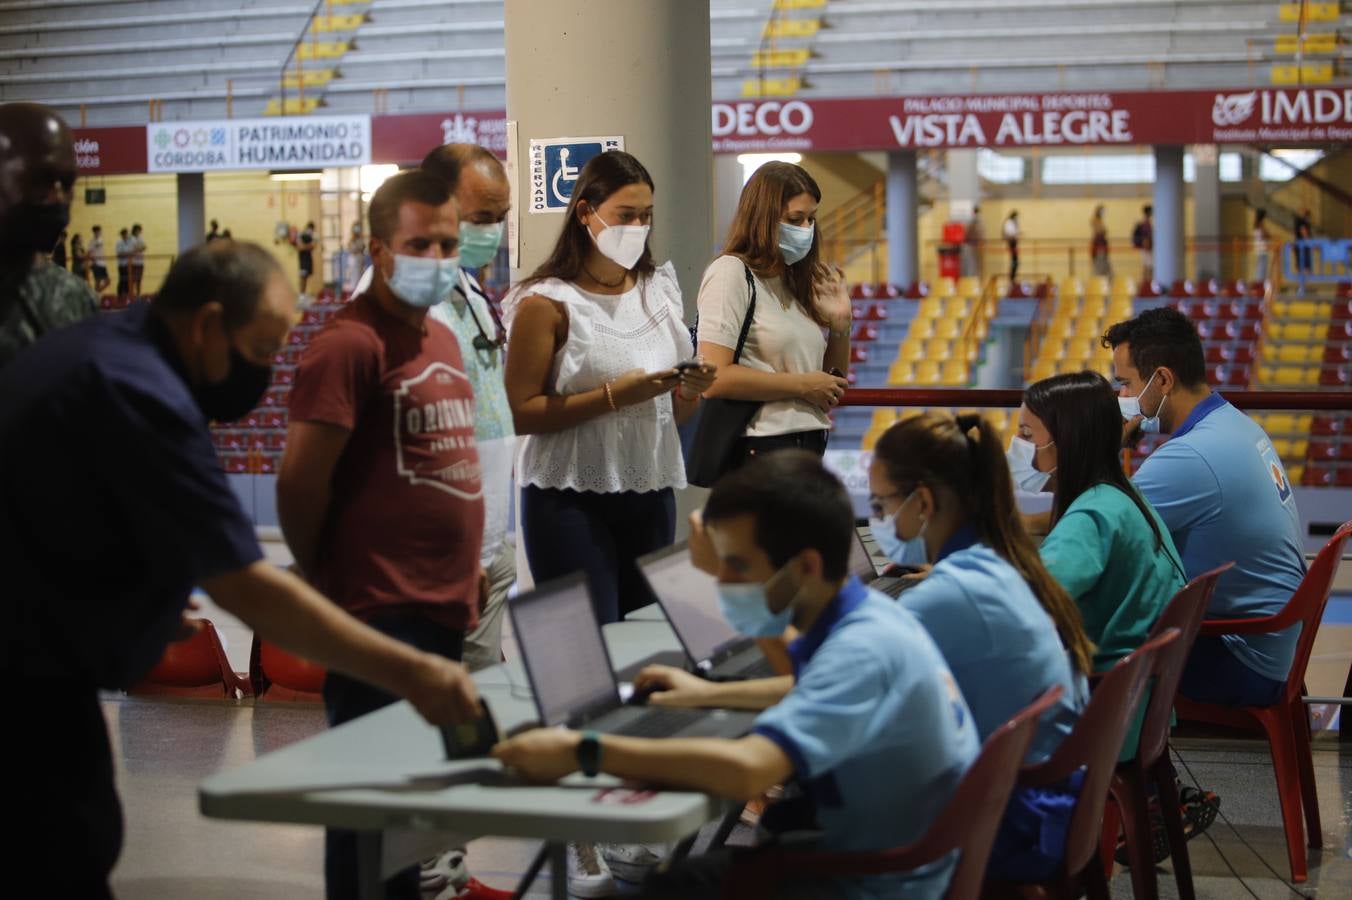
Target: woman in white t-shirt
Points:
(595, 335)
(1259, 245)
(798, 345)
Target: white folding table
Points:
(384, 775)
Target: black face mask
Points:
(233, 397)
(36, 226)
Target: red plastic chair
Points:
(275, 674)
(1093, 746)
(1286, 722)
(861, 292)
(968, 824)
(1235, 288)
(194, 667)
(1130, 801)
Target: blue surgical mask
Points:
(1131, 408)
(479, 244)
(795, 241)
(747, 609)
(423, 281)
(1020, 455)
(897, 549)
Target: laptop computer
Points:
(571, 678)
(689, 599)
(861, 565)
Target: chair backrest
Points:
(280, 675)
(968, 823)
(194, 666)
(1093, 746)
(1308, 603)
(1184, 612)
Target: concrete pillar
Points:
(192, 210)
(1168, 214)
(903, 238)
(727, 190)
(615, 67)
(964, 184)
(1206, 212)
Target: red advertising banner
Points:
(1307, 115)
(110, 151)
(407, 139)
(1311, 116)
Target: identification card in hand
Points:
(471, 740)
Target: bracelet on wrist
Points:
(610, 398)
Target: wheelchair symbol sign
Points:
(557, 163)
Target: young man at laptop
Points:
(870, 724)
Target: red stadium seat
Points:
(1338, 354)
(1236, 288)
(1243, 354)
(1239, 376)
(1340, 330)
(1341, 309)
(1335, 377)
(1149, 289)
(1345, 476)
(858, 355)
(1208, 288)
(1182, 288)
(888, 291)
(1318, 476)
(918, 290)
(1218, 353)
(1323, 450)
(861, 292)
(1326, 426)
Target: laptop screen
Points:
(861, 564)
(567, 662)
(690, 601)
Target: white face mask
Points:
(621, 244)
(1131, 408)
(795, 241)
(1021, 455)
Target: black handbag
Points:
(722, 423)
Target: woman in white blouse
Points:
(798, 345)
(595, 335)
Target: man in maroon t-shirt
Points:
(379, 493)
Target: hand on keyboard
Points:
(668, 686)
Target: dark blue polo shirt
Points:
(113, 505)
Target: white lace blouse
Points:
(637, 448)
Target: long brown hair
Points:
(753, 236)
(965, 456)
(602, 176)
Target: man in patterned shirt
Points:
(37, 173)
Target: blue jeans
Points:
(1215, 675)
(346, 699)
(600, 534)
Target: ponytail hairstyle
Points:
(966, 457)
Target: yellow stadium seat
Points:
(1299, 448)
(947, 286)
(957, 307)
(1299, 353)
(955, 373)
(1295, 472)
(1088, 327)
(1059, 329)
(1304, 422)
(920, 328)
(1292, 375)
(1282, 447)
(930, 308)
(901, 373)
(1072, 288)
(1079, 348)
(1097, 287)
(947, 328)
(883, 417)
(939, 349)
(1096, 308)
(1298, 309)
(911, 349)
(1278, 423)
(927, 372)
(969, 286)
(1041, 369)
(1120, 310)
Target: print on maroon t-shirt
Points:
(406, 516)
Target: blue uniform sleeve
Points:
(1076, 551)
(831, 711)
(161, 464)
(1181, 485)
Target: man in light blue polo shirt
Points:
(871, 726)
(1219, 486)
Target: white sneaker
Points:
(440, 872)
(632, 862)
(588, 874)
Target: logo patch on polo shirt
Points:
(1273, 462)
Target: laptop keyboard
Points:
(661, 722)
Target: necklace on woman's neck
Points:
(608, 284)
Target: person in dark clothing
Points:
(37, 174)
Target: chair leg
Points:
(1170, 808)
(1281, 741)
(1095, 882)
(1135, 808)
(1309, 795)
(1112, 826)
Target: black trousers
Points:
(69, 820)
(346, 699)
(600, 534)
(812, 441)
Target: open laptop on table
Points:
(861, 565)
(689, 600)
(570, 673)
